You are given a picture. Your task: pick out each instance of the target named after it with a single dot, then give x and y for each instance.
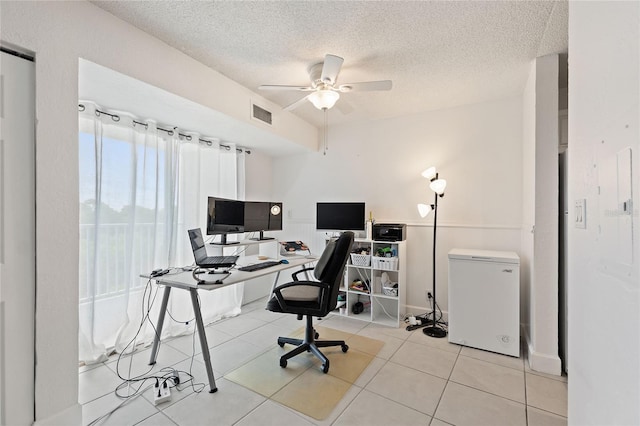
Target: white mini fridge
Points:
(484, 300)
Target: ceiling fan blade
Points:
(345, 107)
(366, 86)
(282, 87)
(296, 104)
(331, 68)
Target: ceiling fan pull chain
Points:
(326, 130)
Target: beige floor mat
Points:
(302, 385)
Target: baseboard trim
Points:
(541, 362)
(71, 416)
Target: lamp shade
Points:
(424, 209)
(429, 173)
(438, 186)
(324, 98)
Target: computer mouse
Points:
(284, 261)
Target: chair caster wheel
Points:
(325, 368)
(281, 344)
(345, 348)
(317, 335)
(283, 363)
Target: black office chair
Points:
(314, 299)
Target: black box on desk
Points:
(389, 232)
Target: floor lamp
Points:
(437, 185)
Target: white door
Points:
(17, 240)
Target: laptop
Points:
(200, 253)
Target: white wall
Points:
(258, 177)
(60, 33)
(476, 148)
(604, 261)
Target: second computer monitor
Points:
(260, 216)
(256, 216)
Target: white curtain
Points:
(141, 188)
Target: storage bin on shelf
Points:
(390, 290)
(360, 259)
(385, 263)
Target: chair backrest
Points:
(330, 266)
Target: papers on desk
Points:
(294, 248)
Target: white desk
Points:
(184, 280)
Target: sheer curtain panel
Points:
(141, 188)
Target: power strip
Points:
(161, 393)
(419, 323)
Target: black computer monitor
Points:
(275, 216)
(260, 216)
(224, 217)
(340, 216)
(256, 216)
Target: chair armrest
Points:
(305, 269)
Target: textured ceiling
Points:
(439, 54)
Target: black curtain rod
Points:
(16, 53)
(116, 118)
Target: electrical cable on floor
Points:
(123, 403)
(142, 321)
(128, 382)
(439, 320)
(171, 376)
(427, 322)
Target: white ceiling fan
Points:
(324, 88)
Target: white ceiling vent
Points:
(261, 114)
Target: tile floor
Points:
(414, 380)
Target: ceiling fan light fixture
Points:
(324, 98)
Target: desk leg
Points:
(203, 339)
(275, 283)
(156, 339)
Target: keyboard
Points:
(258, 266)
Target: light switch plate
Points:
(580, 213)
